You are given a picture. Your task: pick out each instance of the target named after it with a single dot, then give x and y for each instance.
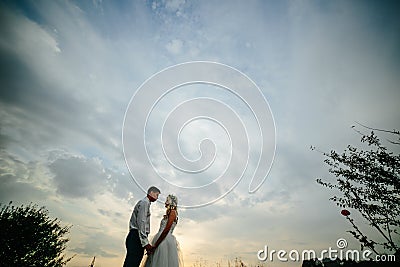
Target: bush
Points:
(29, 237)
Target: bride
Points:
(166, 251)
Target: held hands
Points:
(149, 249)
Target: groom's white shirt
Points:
(140, 220)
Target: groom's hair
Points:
(153, 189)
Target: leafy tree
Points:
(369, 182)
(29, 237)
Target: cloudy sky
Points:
(69, 70)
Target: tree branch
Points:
(372, 221)
(380, 130)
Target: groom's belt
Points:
(134, 229)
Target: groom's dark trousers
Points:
(134, 249)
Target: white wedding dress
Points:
(168, 253)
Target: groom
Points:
(139, 229)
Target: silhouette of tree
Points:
(29, 237)
(369, 182)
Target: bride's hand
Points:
(149, 249)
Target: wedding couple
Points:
(164, 250)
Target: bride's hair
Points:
(172, 204)
(172, 201)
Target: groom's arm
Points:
(142, 221)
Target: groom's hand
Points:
(149, 248)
